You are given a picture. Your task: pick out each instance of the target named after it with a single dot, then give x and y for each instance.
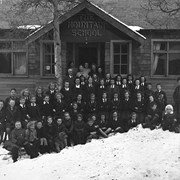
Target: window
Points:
(120, 58)
(165, 58)
(13, 57)
(48, 59)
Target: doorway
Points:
(87, 53)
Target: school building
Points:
(89, 34)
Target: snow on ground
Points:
(138, 154)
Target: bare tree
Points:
(161, 13)
(21, 8)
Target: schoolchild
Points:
(68, 122)
(115, 123)
(52, 89)
(91, 130)
(116, 103)
(139, 107)
(79, 130)
(77, 89)
(18, 140)
(43, 146)
(80, 103)
(50, 130)
(170, 121)
(14, 96)
(23, 109)
(152, 118)
(32, 139)
(104, 103)
(60, 106)
(33, 109)
(103, 127)
(133, 121)
(160, 97)
(107, 79)
(112, 88)
(39, 96)
(46, 108)
(101, 88)
(27, 95)
(92, 105)
(12, 115)
(67, 93)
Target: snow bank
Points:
(138, 154)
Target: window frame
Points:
(12, 51)
(42, 62)
(167, 52)
(129, 42)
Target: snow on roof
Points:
(135, 28)
(29, 27)
(132, 28)
(117, 19)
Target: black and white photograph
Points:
(90, 89)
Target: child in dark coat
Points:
(79, 130)
(18, 140)
(43, 147)
(133, 121)
(23, 112)
(33, 109)
(50, 130)
(170, 121)
(115, 123)
(152, 118)
(91, 130)
(68, 122)
(46, 108)
(32, 139)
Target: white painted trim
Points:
(130, 54)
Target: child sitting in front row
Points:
(133, 121)
(169, 121)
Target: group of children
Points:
(89, 105)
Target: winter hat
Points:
(170, 107)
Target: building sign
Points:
(86, 25)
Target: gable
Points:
(98, 12)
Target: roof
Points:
(99, 12)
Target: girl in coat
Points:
(170, 121)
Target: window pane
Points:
(116, 59)
(124, 69)
(174, 46)
(124, 59)
(47, 59)
(5, 60)
(159, 64)
(48, 69)
(48, 48)
(116, 69)
(19, 63)
(160, 46)
(174, 64)
(124, 48)
(116, 48)
(5, 45)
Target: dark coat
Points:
(34, 112)
(176, 95)
(18, 137)
(46, 109)
(12, 116)
(50, 131)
